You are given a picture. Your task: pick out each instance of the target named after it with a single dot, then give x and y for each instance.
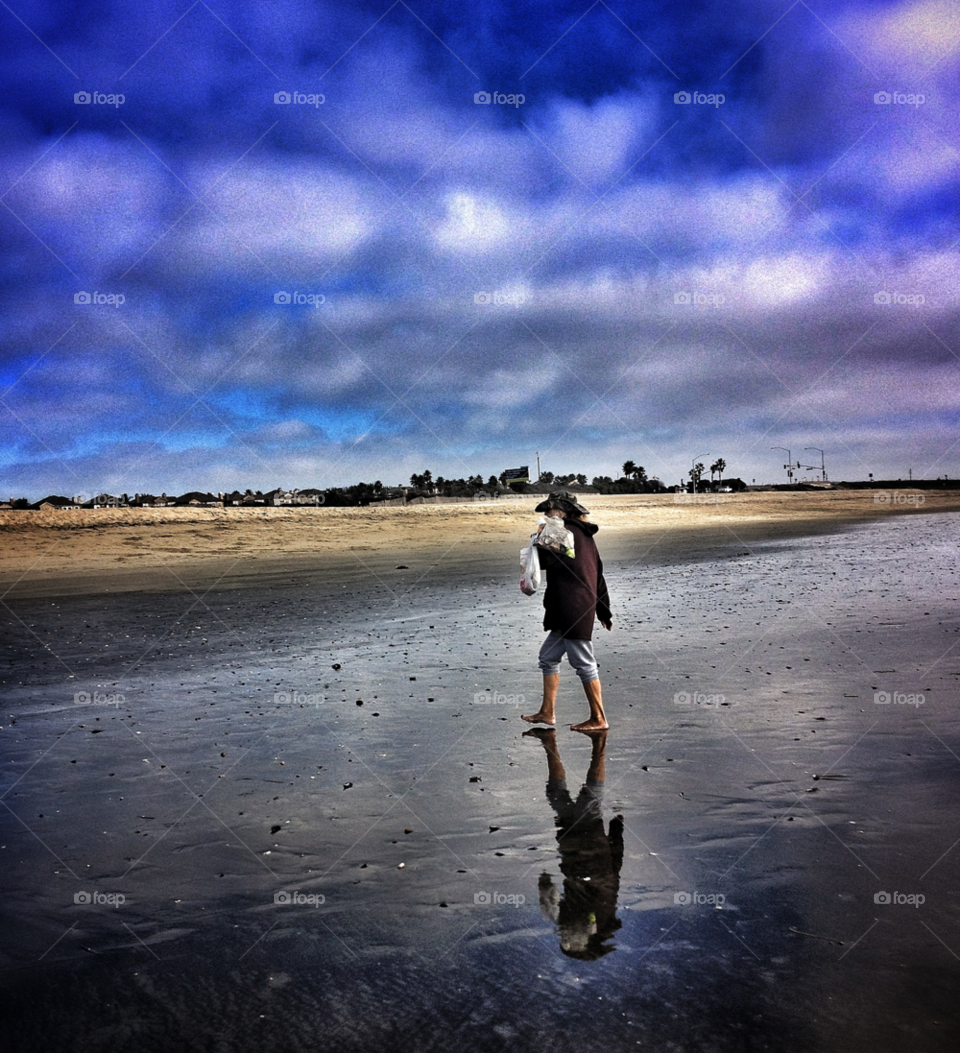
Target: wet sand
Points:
(768, 795)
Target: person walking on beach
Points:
(576, 594)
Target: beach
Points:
(266, 786)
(130, 549)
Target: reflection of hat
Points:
(564, 500)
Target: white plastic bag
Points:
(555, 536)
(530, 568)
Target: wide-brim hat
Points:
(564, 500)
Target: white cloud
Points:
(475, 225)
(911, 37)
(290, 216)
(502, 389)
(739, 211)
(770, 281)
(594, 142)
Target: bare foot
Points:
(543, 734)
(590, 725)
(538, 718)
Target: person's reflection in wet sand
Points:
(590, 858)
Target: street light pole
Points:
(823, 470)
(692, 464)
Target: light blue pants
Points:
(578, 652)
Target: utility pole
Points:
(788, 465)
(823, 470)
(538, 466)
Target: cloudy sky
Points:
(587, 265)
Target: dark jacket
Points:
(576, 592)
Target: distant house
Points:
(296, 497)
(246, 498)
(108, 501)
(196, 498)
(54, 501)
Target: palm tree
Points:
(640, 473)
(720, 464)
(423, 481)
(695, 473)
(628, 468)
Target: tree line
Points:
(634, 479)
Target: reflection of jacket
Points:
(576, 591)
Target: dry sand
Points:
(111, 550)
